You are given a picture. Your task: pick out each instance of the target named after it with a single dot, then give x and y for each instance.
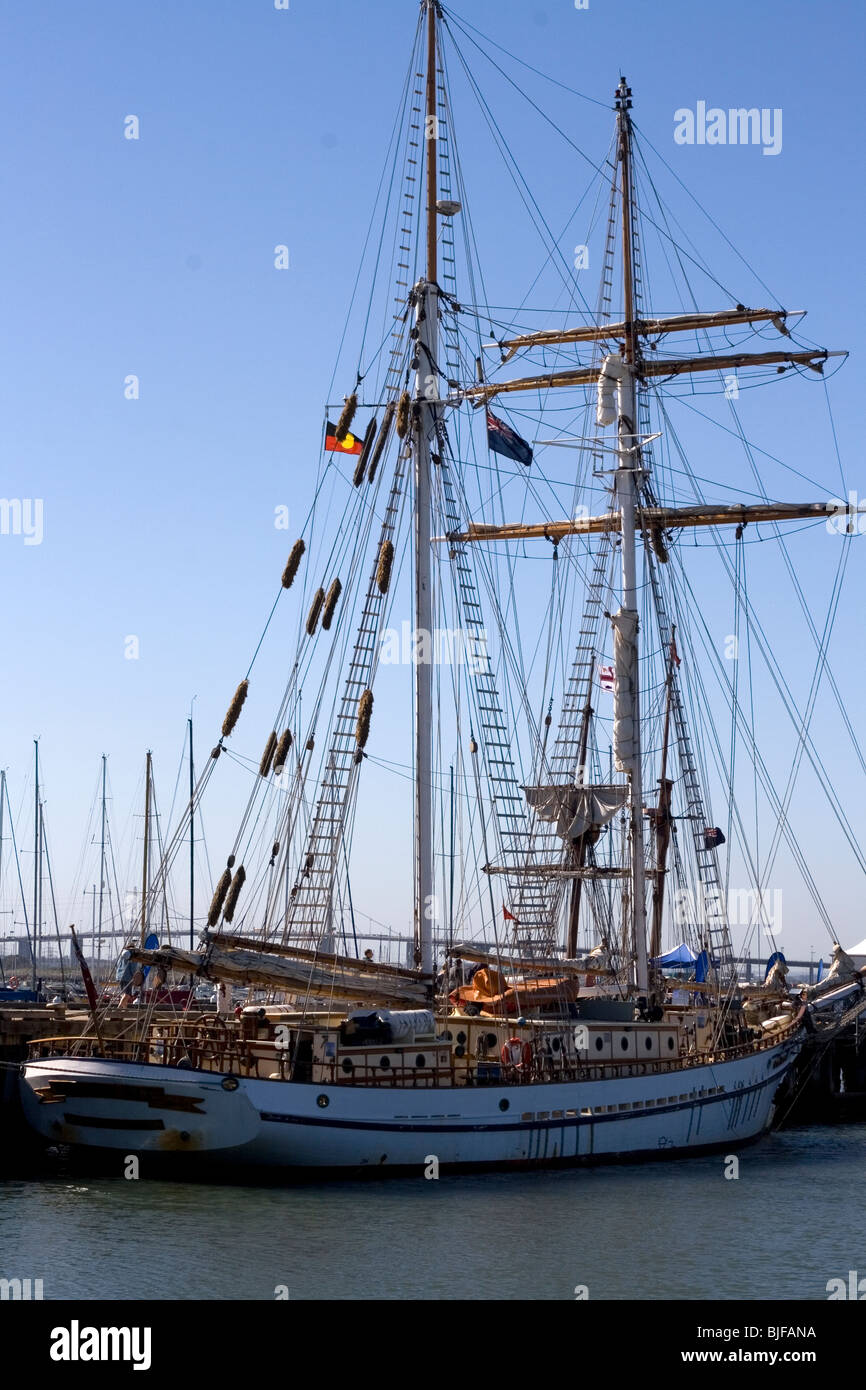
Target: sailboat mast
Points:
(425, 397)
(34, 949)
(101, 863)
(144, 864)
(191, 842)
(626, 496)
(431, 134)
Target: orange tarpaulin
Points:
(490, 989)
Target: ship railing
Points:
(197, 1046)
(216, 1047)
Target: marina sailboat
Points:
(537, 1019)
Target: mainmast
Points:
(144, 863)
(625, 494)
(425, 398)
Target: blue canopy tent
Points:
(681, 955)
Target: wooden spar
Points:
(252, 967)
(537, 965)
(585, 376)
(230, 940)
(649, 328)
(665, 518)
(559, 871)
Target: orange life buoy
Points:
(516, 1053)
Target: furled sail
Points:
(576, 809)
(255, 967)
(624, 623)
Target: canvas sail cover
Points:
(624, 623)
(576, 809)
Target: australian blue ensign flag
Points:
(503, 440)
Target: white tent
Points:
(858, 952)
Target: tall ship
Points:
(571, 994)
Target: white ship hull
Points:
(152, 1109)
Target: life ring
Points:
(516, 1053)
(13, 982)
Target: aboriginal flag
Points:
(350, 445)
(502, 439)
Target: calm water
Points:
(790, 1222)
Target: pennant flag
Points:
(713, 837)
(607, 678)
(86, 976)
(675, 654)
(509, 916)
(350, 445)
(501, 439)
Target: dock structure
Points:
(828, 1081)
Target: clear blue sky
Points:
(155, 258)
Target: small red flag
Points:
(674, 653)
(509, 916)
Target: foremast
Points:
(425, 397)
(625, 496)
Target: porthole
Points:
(420, 1060)
(555, 1044)
(599, 1044)
(648, 1043)
(348, 1065)
(490, 1039)
(504, 1104)
(460, 1050)
(670, 1044)
(623, 1042)
(461, 1037)
(230, 1083)
(323, 1102)
(384, 1063)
